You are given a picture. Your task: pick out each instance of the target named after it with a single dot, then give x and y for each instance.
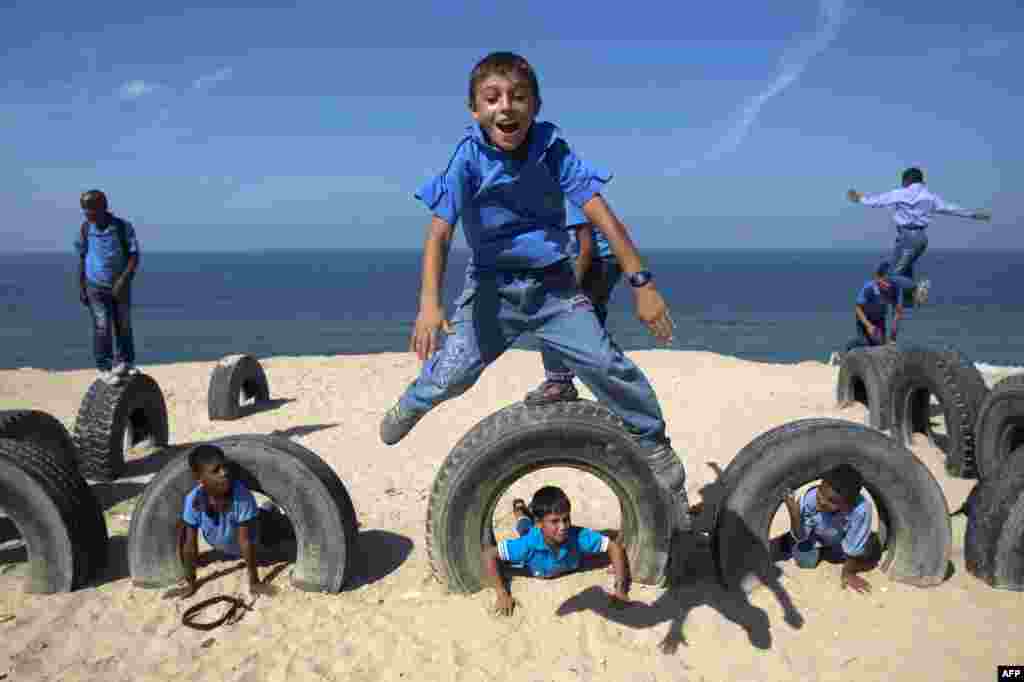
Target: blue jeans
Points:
(111, 318)
(495, 308)
(598, 284)
(910, 245)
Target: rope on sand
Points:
(230, 617)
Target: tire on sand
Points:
(1000, 427)
(42, 429)
(994, 540)
(236, 378)
(956, 382)
(304, 486)
(918, 538)
(56, 514)
(864, 376)
(112, 417)
(520, 439)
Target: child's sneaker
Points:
(108, 377)
(397, 423)
(921, 292)
(552, 392)
(125, 369)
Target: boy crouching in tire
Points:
(549, 545)
(837, 517)
(226, 512)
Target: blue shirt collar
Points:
(543, 135)
(536, 540)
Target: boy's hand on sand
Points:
(262, 589)
(652, 311)
(424, 337)
(618, 599)
(854, 196)
(856, 582)
(504, 605)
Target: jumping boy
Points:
(597, 273)
(109, 254)
(226, 512)
(507, 182)
(912, 206)
(836, 516)
(549, 546)
(872, 310)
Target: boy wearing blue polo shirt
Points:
(108, 256)
(508, 182)
(872, 310)
(225, 511)
(835, 515)
(550, 546)
(597, 273)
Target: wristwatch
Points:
(639, 279)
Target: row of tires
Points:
(983, 439)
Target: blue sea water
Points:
(778, 306)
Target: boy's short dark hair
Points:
(549, 500)
(94, 198)
(205, 455)
(912, 176)
(506, 64)
(845, 481)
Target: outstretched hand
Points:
(983, 215)
(424, 338)
(654, 313)
(854, 196)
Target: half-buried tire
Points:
(994, 540)
(304, 486)
(1000, 427)
(41, 428)
(864, 376)
(56, 515)
(236, 379)
(113, 418)
(917, 535)
(521, 439)
(960, 389)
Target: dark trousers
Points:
(111, 320)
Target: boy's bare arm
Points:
(849, 578)
(248, 548)
(650, 307)
(864, 319)
(82, 295)
(623, 578)
(504, 604)
(795, 523)
(431, 315)
(189, 552)
(585, 238)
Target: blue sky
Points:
(726, 124)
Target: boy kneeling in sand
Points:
(836, 516)
(226, 512)
(549, 545)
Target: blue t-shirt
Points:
(602, 249)
(849, 532)
(104, 260)
(532, 552)
(512, 211)
(876, 302)
(220, 530)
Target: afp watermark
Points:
(1010, 672)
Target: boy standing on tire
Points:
(508, 182)
(109, 255)
(597, 273)
(549, 546)
(912, 207)
(872, 310)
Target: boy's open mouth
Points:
(507, 127)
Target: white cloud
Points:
(212, 79)
(135, 89)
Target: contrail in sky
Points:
(791, 66)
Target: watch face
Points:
(638, 279)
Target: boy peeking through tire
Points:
(224, 509)
(837, 517)
(549, 545)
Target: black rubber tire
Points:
(235, 376)
(959, 386)
(919, 537)
(1000, 427)
(55, 514)
(105, 414)
(520, 439)
(864, 376)
(994, 540)
(304, 486)
(41, 428)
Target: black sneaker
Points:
(397, 423)
(552, 392)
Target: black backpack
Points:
(120, 227)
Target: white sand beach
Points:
(396, 623)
